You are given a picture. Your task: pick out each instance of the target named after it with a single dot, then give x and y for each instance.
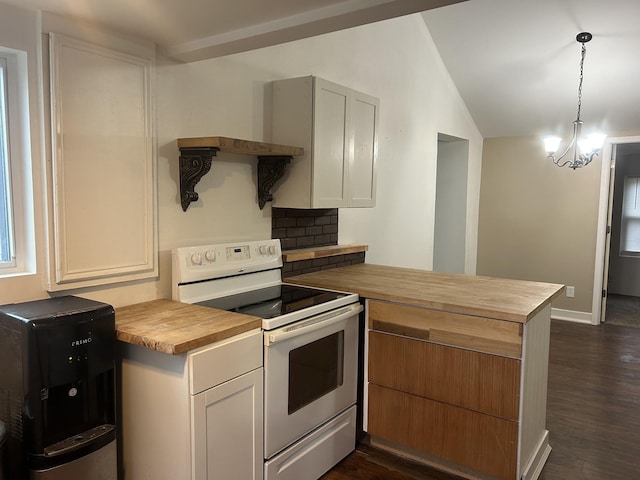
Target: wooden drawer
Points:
(470, 439)
(476, 333)
(477, 381)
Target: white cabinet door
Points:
(331, 144)
(362, 168)
(102, 171)
(337, 127)
(228, 430)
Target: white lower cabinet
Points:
(227, 430)
(197, 415)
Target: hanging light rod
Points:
(584, 148)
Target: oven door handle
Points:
(312, 324)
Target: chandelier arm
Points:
(564, 164)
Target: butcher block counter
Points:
(174, 327)
(504, 299)
(456, 366)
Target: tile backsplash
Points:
(298, 228)
(290, 269)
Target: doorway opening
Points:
(450, 231)
(617, 265)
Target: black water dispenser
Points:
(57, 390)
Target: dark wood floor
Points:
(593, 412)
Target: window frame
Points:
(630, 217)
(18, 149)
(6, 196)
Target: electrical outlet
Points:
(571, 292)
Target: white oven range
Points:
(310, 350)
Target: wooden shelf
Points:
(196, 155)
(242, 147)
(320, 252)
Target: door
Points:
(227, 430)
(607, 244)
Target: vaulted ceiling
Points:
(515, 62)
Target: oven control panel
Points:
(238, 254)
(204, 262)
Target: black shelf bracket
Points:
(194, 164)
(270, 170)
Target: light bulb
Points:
(596, 140)
(551, 144)
(585, 146)
(591, 143)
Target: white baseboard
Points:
(533, 470)
(571, 316)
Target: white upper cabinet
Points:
(102, 171)
(337, 127)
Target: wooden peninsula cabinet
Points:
(454, 387)
(456, 367)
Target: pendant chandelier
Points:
(582, 149)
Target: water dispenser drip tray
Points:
(78, 441)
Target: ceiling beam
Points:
(340, 16)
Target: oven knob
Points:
(210, 255)
(262, 249)
(196, 259)
(272, 250)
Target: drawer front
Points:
(477, 381)
(469, 439)
(476, 333)
(224, 360)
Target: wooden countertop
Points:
(174, 327)
(504, 299)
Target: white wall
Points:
(394, 60)
(537, 221)
(418, 101)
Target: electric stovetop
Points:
(274, 301)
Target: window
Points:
(630, 221)
(17, 233)
(7, 257)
